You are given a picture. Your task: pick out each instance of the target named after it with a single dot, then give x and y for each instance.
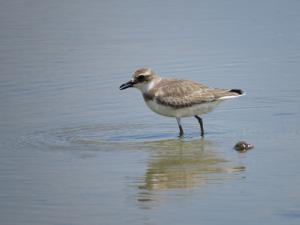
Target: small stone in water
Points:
(243, 146)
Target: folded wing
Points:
(184, 93)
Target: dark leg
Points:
(180, 127)
(201, 124)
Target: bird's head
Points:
(142, 79)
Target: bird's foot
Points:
(181, 135)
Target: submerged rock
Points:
(243, 146)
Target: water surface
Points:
(76, 150)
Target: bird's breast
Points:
(165, 110)
(160, 109)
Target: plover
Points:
(178, 98)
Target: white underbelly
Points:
(198, 109)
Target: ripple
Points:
(100, 136)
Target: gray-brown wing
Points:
(184, 93)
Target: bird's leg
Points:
(180, 127)
(201, 124)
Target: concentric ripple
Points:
(101, 136)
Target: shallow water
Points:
(76, 150)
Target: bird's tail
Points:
(237, 91)
(232, 93)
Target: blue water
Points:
(76, 150)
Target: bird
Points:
(178, 98)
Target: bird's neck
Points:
(149, 86)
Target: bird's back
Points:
(185, 93)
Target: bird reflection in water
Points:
(179, 164)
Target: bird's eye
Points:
(141, 78)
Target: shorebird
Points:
(178, 98)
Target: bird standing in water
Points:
(178, 98)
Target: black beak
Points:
(126, 85)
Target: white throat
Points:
(144, 88)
